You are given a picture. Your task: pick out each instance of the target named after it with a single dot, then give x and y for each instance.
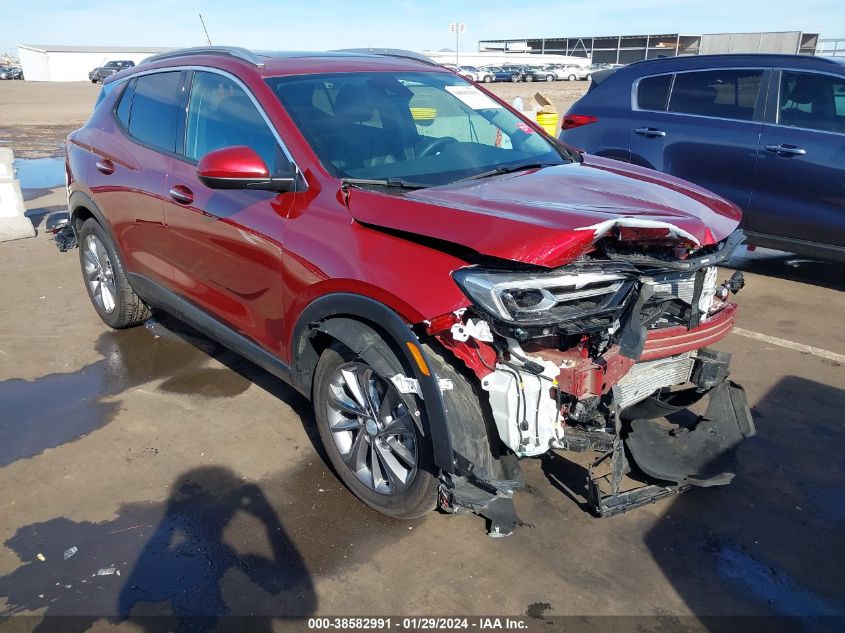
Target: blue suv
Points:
(767, 132)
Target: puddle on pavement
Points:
(40, 173)
(58, 408)
(175, 558)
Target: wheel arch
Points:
(353, 320)
(81, 207)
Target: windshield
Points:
(430, 128)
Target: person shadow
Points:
(183, 569)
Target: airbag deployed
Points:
(701, 455)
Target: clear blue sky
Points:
(414, 24)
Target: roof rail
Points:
(229, 51)
(389, 52)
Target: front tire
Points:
(371, 432)
(514, 78)
(572, 77)
(105, 280)
(550, 77)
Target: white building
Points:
(73, 63)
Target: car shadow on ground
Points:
(769, 545)
(161, 566)
(248, 371)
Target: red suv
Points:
(452, 288)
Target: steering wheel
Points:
(435, 144)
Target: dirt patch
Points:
(562, 93)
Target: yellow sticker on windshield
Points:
(473, 97)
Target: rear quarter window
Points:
(653, 92)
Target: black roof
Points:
(744, 58)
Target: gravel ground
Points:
(562, 93)
(35, 117)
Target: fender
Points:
(328, 314)
(80, 199)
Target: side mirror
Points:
(240, 167)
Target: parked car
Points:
(109, 68)
(452, 296)
(541, 73)
(476, 74)
(568, 72)
(506, 73)
(11, 72)
(767, 132)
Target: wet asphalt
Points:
(151, 472)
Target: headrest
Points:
(355, 103)
(806, 90)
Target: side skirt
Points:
(799, 247)
(160, 297)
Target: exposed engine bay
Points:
(609, 354)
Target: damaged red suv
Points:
(453, 289)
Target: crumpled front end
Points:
(610, 354)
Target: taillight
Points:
(577, 120)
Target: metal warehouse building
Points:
(72, 63)
(625, 49)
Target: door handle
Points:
(649, 131)
(786, 150)
(181, 194)
(105, 166)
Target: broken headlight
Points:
(547, 297)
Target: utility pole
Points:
(207, 38)
(457, 28)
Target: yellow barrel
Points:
(548, 121)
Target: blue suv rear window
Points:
(729, 93)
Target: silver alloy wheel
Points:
(372, 428)
(99, 274)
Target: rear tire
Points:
(105, 279)
(364, 443)
(514, 78)
(572, 78)
(550, 77)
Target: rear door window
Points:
(155, 109)
(729, 93)
(812, 101)
(653, 92)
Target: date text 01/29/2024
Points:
(418, 623)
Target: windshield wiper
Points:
(506, 169)
(398, 183)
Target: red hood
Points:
(552, 215)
